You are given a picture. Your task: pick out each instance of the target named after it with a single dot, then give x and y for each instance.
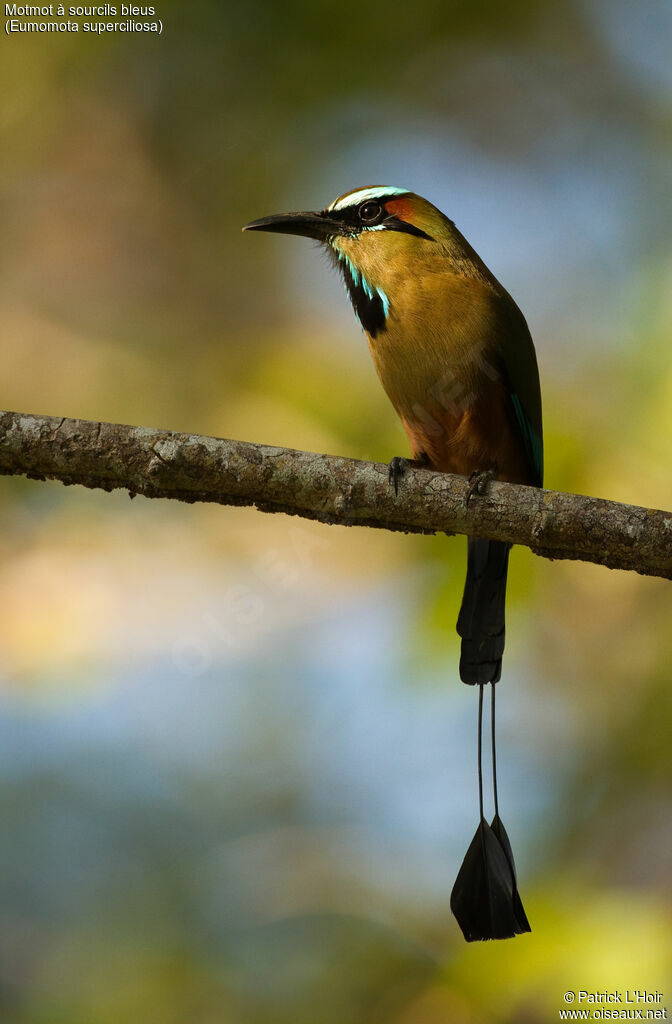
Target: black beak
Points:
(311, 225)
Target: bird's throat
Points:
(370, 303)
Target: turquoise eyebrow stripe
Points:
(376, 192)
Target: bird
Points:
(456, 358)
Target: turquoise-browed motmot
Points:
(455, 356)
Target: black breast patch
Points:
(371, 305)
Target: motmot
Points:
(456, 358)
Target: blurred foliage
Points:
(236, 766)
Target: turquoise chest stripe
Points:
(358, 280)
(371, 305)
(354, 273)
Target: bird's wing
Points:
(518, 362)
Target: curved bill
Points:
(311, 225)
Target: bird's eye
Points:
(370, 212)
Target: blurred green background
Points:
(236, 763)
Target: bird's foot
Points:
(479, 481)
(398, 466)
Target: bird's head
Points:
(378, 235)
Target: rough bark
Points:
(166, 464)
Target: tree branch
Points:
(188, 467)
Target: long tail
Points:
(481, 619)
